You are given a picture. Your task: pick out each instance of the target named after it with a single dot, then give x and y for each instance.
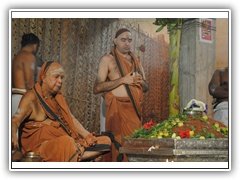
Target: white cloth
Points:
(196, 105)
(16, 98)
(102, 115)
(221, 112)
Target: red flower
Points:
(184, 134)
(149, 124)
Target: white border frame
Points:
(120, 13)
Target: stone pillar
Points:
(197, 61)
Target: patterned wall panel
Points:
(78, 44)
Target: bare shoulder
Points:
(106, 59)
(29, 96)
(25, 57)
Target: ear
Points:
(44, 78)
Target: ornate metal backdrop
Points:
(78, 44)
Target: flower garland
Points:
(182, 126)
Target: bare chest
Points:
(114, 72)
(38, 113)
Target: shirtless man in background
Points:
(24, 68)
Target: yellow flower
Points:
(165, 134)
(216, 125)
(180, 124)
(191, 133)
(201, 137)
(178, 137)
(174, 135)
(205, 118)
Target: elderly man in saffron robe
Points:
(121, 79)
(49, 128)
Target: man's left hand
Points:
(91, 139)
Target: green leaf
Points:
(160, 28)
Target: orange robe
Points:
(121, 117)
(51, 141)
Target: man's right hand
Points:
(132, 78)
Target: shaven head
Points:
(51, 77)
(45, 69)
(120, 31)
(123, 41)
(55, 69)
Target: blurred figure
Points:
(24, 63)
(24, 68)
(218, 88)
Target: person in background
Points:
(121, 80)
(218, 88)
(47, 125)
(24, 68)
(24, 63)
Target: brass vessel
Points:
(31, 157)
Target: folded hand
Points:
(91, 139)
